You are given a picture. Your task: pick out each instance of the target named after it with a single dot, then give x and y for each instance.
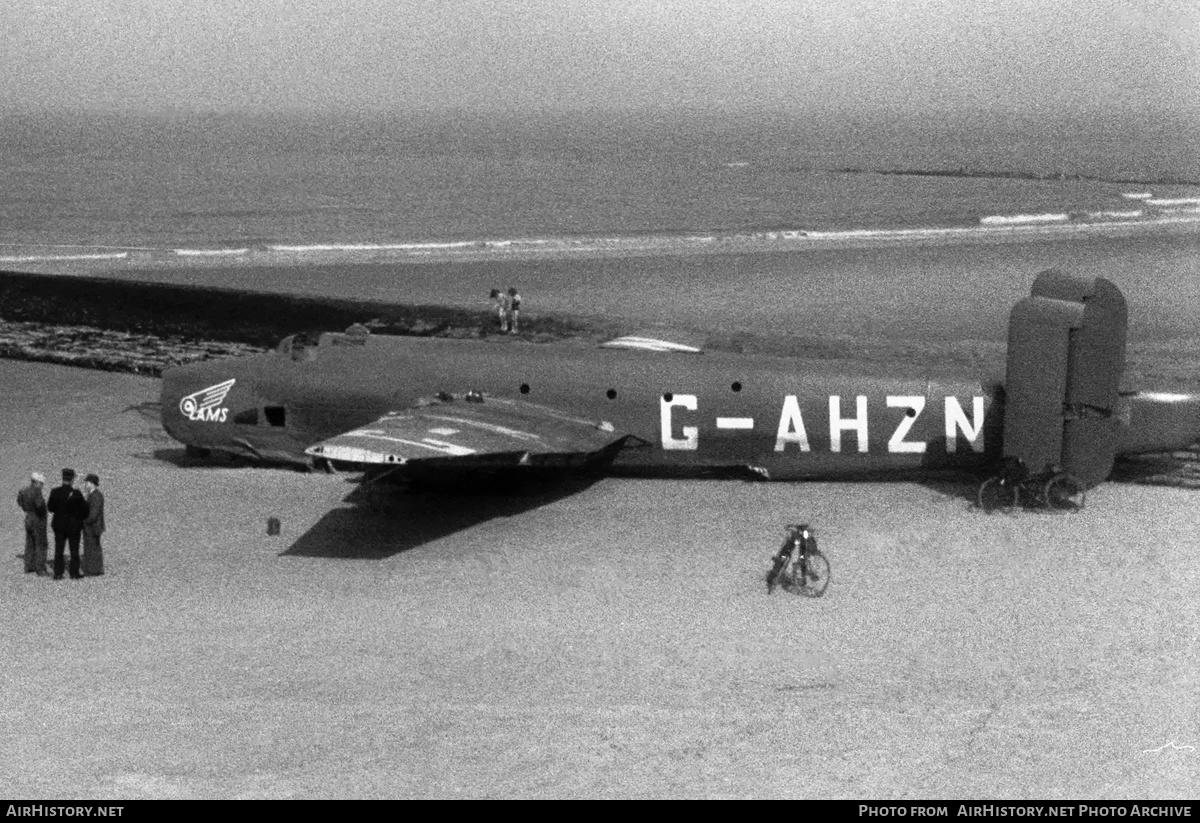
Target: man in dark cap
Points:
(93, 527)
(32, 502)
(69, 509)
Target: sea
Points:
(222, 197)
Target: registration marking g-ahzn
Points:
(792, 432)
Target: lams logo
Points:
(204, 405)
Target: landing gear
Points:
(1064, 492)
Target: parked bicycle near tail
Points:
(1016, 486)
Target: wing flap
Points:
(471, 429)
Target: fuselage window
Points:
(276, 415)
(247, 418)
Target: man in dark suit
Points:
(69, 510)
(93, 527)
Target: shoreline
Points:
(1002, 174)
(110, 259)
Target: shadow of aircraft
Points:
(383, 520)
(183, 458)
(957, 487)
(1179, 469)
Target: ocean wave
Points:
(353, 247)
(1174, 201)
(210, 252)
(1132, 214)
(1137, 195)
(1023, 219)
(51, 258)
(1002, 225)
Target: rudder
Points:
(1066, 354)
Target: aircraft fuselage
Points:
(788, 419)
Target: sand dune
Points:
(613, 642)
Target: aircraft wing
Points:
(474, 430)
(657, 341)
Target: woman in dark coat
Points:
(93, 526)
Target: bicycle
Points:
(1051, 489)
(799, 566)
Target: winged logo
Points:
(204, 405)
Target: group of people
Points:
(77, 515)
(508, 309)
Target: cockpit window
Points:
(276, 415)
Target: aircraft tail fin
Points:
(1066, 354)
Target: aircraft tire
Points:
(995, 496)
(1064, 492)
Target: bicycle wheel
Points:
(995, 495)
(815, 578)
(1064, 492)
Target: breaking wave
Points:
(1023, 219)
(1174, 201)
(49, 258)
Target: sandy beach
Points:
(852, 197)
(614, 642)
(615, 639)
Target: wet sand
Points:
(615, 642)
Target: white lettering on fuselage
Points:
(209, 415)
(857, 424)
(691, 434)
(898, 444)
(956, 418)
(792, 431)
(791, 426)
